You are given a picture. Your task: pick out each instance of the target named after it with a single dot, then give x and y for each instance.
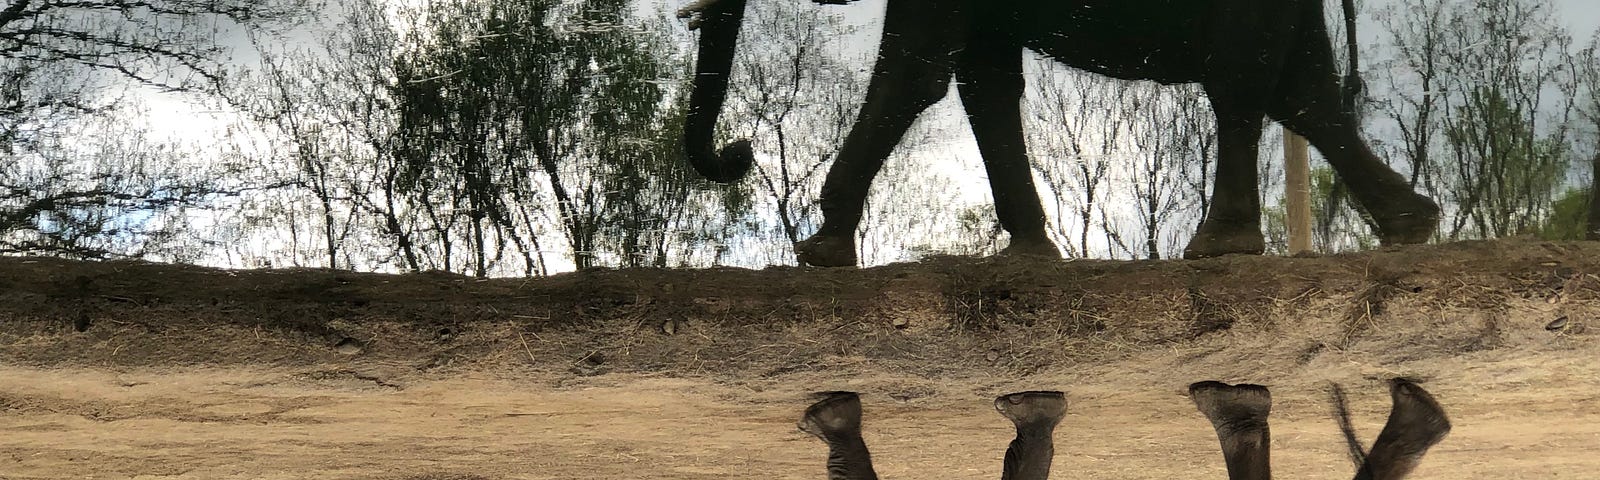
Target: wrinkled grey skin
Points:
(1254, 58)
(1238, 413)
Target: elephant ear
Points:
(718, 22)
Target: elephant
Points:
(1238, 414)
(1253, 58)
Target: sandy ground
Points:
(343, 423)
(115, 370)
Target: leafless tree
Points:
(1414, 78)
(331, 109)
(1482, 93)
(173, 44)
(79, 180)
(1166, 138)
(1072, 139)
(1588, 68)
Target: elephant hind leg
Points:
(1398, 214)
(1416, 423)
(1242, 64)
(1311, 104)
(836, 420)
(913, 71)
(1035, 415)
(1239, 415)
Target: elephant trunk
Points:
(719, 34)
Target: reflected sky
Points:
(184, 118)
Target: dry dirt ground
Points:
(132, 370)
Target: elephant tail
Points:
(1341, 413)
(718, 22)
(1352, 75)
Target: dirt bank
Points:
(131, 370)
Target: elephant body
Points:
(1254, 58)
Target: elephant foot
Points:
(1031, 245)
(1215, 239)
(1416, 423)
(1037, 410)
(826, 251)
(837, 415)
(1239, 415)
(1406, 223)
(1232, 408)
(836, 420)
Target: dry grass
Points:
(1498, 329)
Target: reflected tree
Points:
(75, 178)
(1482, 93)
(491, 92)
(330, 107)
(1589, 84)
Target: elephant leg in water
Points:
(836, 419)
(1239, 415)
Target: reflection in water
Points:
(511, 138)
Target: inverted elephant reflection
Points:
(1254, 59)
(1237, 412)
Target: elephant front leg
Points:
(915, 62)
(1239, 415)
(836, 419)
(1035, 415)
(990, 82)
